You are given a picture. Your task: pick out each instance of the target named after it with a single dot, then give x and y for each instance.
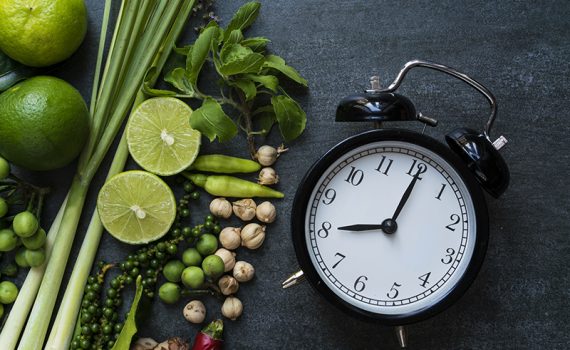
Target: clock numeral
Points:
(359, 284)
(440, 191)
(355, 177)
(388, 165)
(330, 195)
(421, 168)
(424, 279)
(341, 259)
(393, 293)
(323, 232)
(449, 257)
(454, 221)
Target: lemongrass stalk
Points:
(34, 334)
(117, 57)
(19, 312)
(100, 53)
(63, 327)
(62, 330)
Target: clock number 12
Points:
(421, 168)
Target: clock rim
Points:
(309, 181)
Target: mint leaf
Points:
(257, 44)
(177, 78)
(130, 327)
(264, 118)
(277, 63)
(269, 81)
(244, 17)
(291, 118)
(182, 50)
(237, 59)
(245, 85)
(199, 53)
(211, 121)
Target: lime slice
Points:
(136, 207)
(160, 138)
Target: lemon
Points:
(40, 33)
(44, 123)
(136, 207)
(160, 138)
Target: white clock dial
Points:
(410, 269)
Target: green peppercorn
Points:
(160, 255)
(107, 329)
(161, 246)
(185, 212)
(85, 330)
(107, 312)
(85, 344)
(112, 293)
(95, 328)
(154, 263)
(128, 265)
(85, 317)
(134, 272)
(118, 327)
(172, 249)
(176, 232)
(195, 195)
(142, 257)
(188, 187)
(109, 303)
(217, 229)
(209, 217)
(115, 283)
(92, 309)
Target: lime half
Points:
(160, 138)
(136, 207)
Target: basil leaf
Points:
(257, 44)
(177, 78)
(269, 81)
(199, 53)
(277, 63)
(237, 59)
(211, 121)
(247, 86)
(292, 119)
(130, 326)
(12, 72)
(243, 18)
(264, 119)
(147, 86)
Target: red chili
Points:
(210, 338)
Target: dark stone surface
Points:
(520, 50)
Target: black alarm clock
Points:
(391, 225)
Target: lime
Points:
(4, 168)
(41, 32)
(160, 138)
(136, 207)
(44, 123)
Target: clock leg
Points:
(401, 336)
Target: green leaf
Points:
(269, 81)
(247, 86)
(291, 118)
(277, 63)
(243, 18)
(235, 37)
(182, 50)
(211, 121)
(237, 59)
(177, 78)
(199, 53)
(257, 44)
(147, 87)
(12, 72)
(264, 119)
(130, 326)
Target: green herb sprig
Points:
(249, 83)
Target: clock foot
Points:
(402, 336)
(293, 280)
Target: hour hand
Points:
(361, 227)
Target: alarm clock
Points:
(391, 225)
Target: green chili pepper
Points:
(219, 163)
(229, 186)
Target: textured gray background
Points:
(519, 50)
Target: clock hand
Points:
(405, 196)
(361, 227)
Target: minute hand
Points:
(405, 196)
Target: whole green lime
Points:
(40, 33)
(44, 123)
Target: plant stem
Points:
(100, 53)
(246, 111)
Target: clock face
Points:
(378, 269)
